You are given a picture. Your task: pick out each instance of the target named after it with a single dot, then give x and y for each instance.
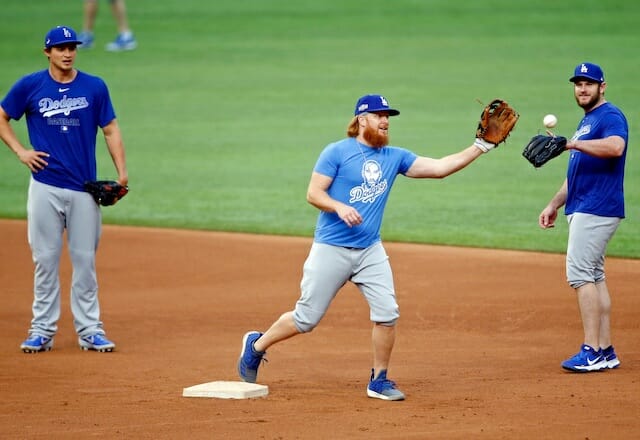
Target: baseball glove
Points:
(106, 192)
(541, 149)
(496, 122)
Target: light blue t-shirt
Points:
(62, 120)
(362, 177)
(595, 185)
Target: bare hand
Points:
(33, 159)
(349, 215)
(547, 218)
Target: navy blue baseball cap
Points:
(374, 103)
(59, 36)
(588, 71)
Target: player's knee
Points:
(304, 327)
(387, 316)
(575, 284)
(306, 321)
(578, 277)
(46, 259)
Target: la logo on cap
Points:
(584, 69)
(67, 34)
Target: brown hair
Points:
(353, 128)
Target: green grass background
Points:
(225, 106)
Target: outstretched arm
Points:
(612, 146)
(426, 167)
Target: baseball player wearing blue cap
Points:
(593, 198)
(64, 108)
(350, 185)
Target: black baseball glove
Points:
(541, 149)
(106, 192)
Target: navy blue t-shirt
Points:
(595, 185)
(62, 120)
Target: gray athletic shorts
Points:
(587, 245)
(328, 268)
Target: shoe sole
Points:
(613, 364)
(600, 366)
(100, 350)
(373, 394)
(35, 349)
(86, 346)
(244, 348)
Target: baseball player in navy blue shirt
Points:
(350, 185)
(64, 108)
(593, 197)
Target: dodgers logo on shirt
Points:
(50, 107)
(585, 129)
(372, 186)
(58, 111)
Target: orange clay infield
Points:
(478, 349)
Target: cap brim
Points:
(391, 111)
(584, 78)
(63, 43)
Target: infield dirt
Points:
(478, 349)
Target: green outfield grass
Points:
(225, 107)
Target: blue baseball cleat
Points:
(97, 342)
(383, 388)
(87, 40)
(250, 358)
(610, 357)
(586, 360)
(121, 43)
(35, 343)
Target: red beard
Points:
(375, 138)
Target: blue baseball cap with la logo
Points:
(374, 103)
(60, 35)
(588, 71)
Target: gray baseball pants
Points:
(328, 268)
(51, 210)
(589, 236)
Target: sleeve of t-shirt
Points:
(408, 158)
(15, 102)
(617, 126)
(327, 163)
(106, 112)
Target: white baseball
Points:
(550, 121)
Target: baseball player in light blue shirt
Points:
(350, 185)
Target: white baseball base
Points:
(226, 390)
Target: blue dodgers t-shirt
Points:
(595, 185)
(62, 120)
(362, 177)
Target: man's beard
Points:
(593, 100)
(374, 138)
